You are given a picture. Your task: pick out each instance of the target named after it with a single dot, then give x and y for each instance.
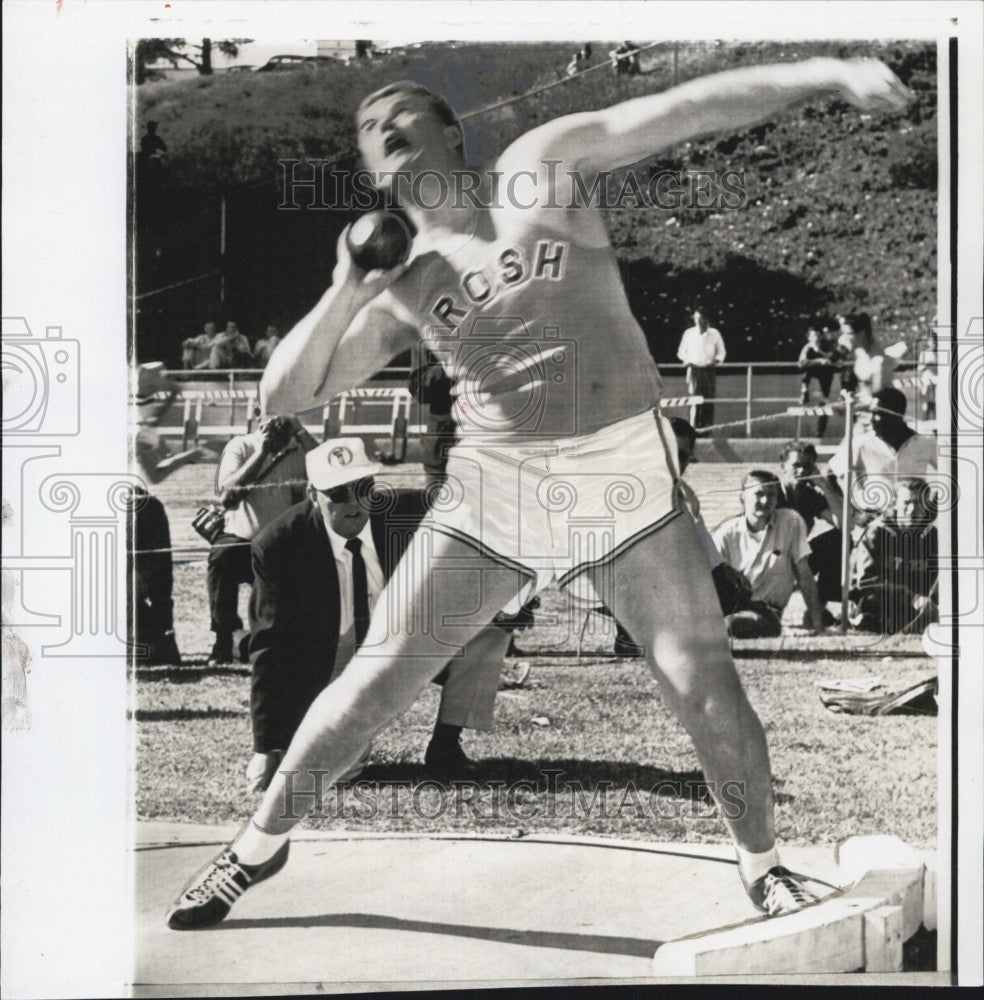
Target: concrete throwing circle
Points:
(426, 909)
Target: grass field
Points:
(598, 721)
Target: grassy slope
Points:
(840, 213)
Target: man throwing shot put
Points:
(561, 472)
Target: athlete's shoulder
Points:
(530, 192)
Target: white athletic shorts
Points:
(553, 510)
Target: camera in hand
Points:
(279, 431)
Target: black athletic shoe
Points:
(164, 651)
(779, 891)
(448, 762)
(624, 646)
(208, 896)
(221, 652)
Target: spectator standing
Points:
(152, 574)
(769, 546)
(888, 449)
(926, 380)
(266, 345)
(873, 366)
(701, 350)
(625, 59)
(431, 387)
(319, 569)
(230, 349)
(273, 458)
(155, 396)
(732, 588)
(150, 159)
(802, 488)
(844, 355)
(151, 144)
(895, 566)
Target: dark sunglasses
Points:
(340, 494)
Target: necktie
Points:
(360, 590)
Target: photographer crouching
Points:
(260, 475)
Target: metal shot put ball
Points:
(378, 240)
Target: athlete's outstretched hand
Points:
(870, 85)
(368, 283)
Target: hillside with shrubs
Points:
(837, 208)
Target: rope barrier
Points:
(543, 88)
(177, 284)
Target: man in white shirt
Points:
(889, 450)
(259, 476)
(769, 546)
(701, 348)
(319, 569)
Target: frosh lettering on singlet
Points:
(535, 330)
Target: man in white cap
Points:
(319, 569)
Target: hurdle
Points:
(338, 417)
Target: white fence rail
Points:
(389, 409)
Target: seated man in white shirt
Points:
(769, 546)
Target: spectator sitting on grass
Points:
(769, 546)
(802, 488)
(894, 568)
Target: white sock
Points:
(753, 866)
(254, 846)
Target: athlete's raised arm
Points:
(346, 338)
(625, 133)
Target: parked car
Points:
(286, 62)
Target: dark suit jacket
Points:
(294, 609)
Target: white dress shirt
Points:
(346, 600)
(701, 349)
(343, 563)
(268, 498)
(767, 557)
